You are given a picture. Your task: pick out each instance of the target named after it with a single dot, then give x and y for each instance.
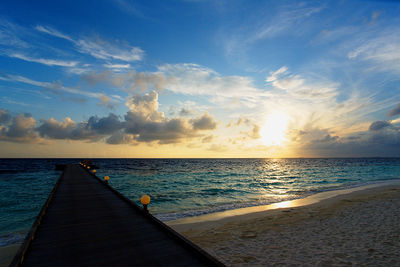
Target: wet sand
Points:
(359, 227)
(7, 254)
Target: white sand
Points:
(359, 228)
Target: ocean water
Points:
(186, 187)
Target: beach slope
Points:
(361, 227)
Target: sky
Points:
(199, 79)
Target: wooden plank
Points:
(86, 222)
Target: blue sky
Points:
(199, 78)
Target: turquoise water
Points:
(186, 187)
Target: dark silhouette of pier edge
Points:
(85, 222)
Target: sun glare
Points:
(274, 130)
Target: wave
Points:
(10, 171)
(292, 196)
(11, 238)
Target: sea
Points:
(186, 187)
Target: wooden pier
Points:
(85, 222)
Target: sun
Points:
(274, 130)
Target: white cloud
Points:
(13, 102)
(300, 88)
(98, 47)
(193, 79)
(146, 106)
(129, 7)
(101, 49)
(274, 74)
(283, 21)
(268, 21)
(21, 129)
(132, 81)
(48, 62)
(115, 54)
(143, 123)
(78, 70)
(382, 49)
(188, 79)
(10, 35)
(52, 86)
(53, 32)
(117, 67)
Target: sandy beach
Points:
(7, 254)
(361, 227)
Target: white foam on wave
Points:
(165, 217)
(12, 238)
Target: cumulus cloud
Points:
(387, 138)
(105, 101)
(4, 116)
(378, 125)
(105, 125)
(52, 128)
(205, 122)
(166, 131)
(185, 112)
(145, 107)
(207, 139)
(147, 124)
(95, 128)
(142, 123)
(395, 111)
(21, 129)
(20, 125)
(381, 139)
(120, 138)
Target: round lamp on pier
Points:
(145, 200)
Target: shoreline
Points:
(233, 229)
(227, 215)
(359, 227)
